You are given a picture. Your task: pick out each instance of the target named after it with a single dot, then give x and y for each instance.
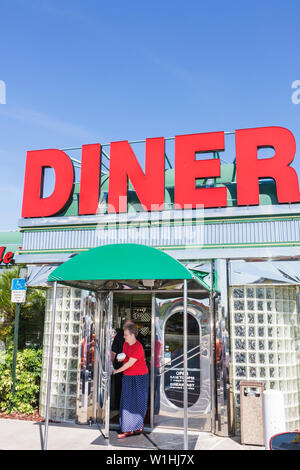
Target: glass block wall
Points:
(265, 344)
(65, 356)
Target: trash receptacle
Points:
(274, 414)
(252, 414)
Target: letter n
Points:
(149, 186)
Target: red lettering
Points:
(2, 250)
(90, 179)
(34, 204)
(249, 168)
(188, 169)
(8, 257)
(149, 186)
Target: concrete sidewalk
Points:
(26, 435)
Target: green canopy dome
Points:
(120, 261)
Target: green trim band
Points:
(121, 225)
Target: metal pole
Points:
(50, 359)
(185, 374)
(16, 333)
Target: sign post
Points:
(18, 296)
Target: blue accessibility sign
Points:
(18, 284)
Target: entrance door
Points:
(103, 363)
(169, 372)
(138, 308)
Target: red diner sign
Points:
(149, 185)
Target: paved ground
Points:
(25, 435)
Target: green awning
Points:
(120, 261)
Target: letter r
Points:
(249, 168)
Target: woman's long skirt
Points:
(134, 402)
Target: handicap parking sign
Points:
(18, 291)
(18, 284)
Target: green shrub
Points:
(28, 372)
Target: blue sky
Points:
(86, 71)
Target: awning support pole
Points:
(50, 360)
(185, 350)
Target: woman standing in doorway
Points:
(135, 381)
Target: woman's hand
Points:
(126, 366)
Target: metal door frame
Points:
(104, 366)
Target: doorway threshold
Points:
(161, 439)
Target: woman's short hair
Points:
(132, 329)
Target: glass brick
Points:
(252, 358)
(251, 317)
(72, 389)
(262, 372)
(77, 293)
(71, 402)
(66, 317)
(240, 331)
(60, 415)
(63, 375)
(73, 364)
(292, 307)
(260, 318)
(270, 332)
(238, 305)
(250, 305)
(240, 344)
(269, 293)
(260, 293)
(252, 371)
(241, 371)
(252, 344)
(67, 293)
(260, 305)
(261, 331)
(250, 293)
(251, 331)
(73, 376)
(53, 400)
(278, 293)
(73, 352)
(285, 292)
(74, 340)
(261, 358)
(76, 316)
(240, 357)
(71, 414)
(61, 402)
